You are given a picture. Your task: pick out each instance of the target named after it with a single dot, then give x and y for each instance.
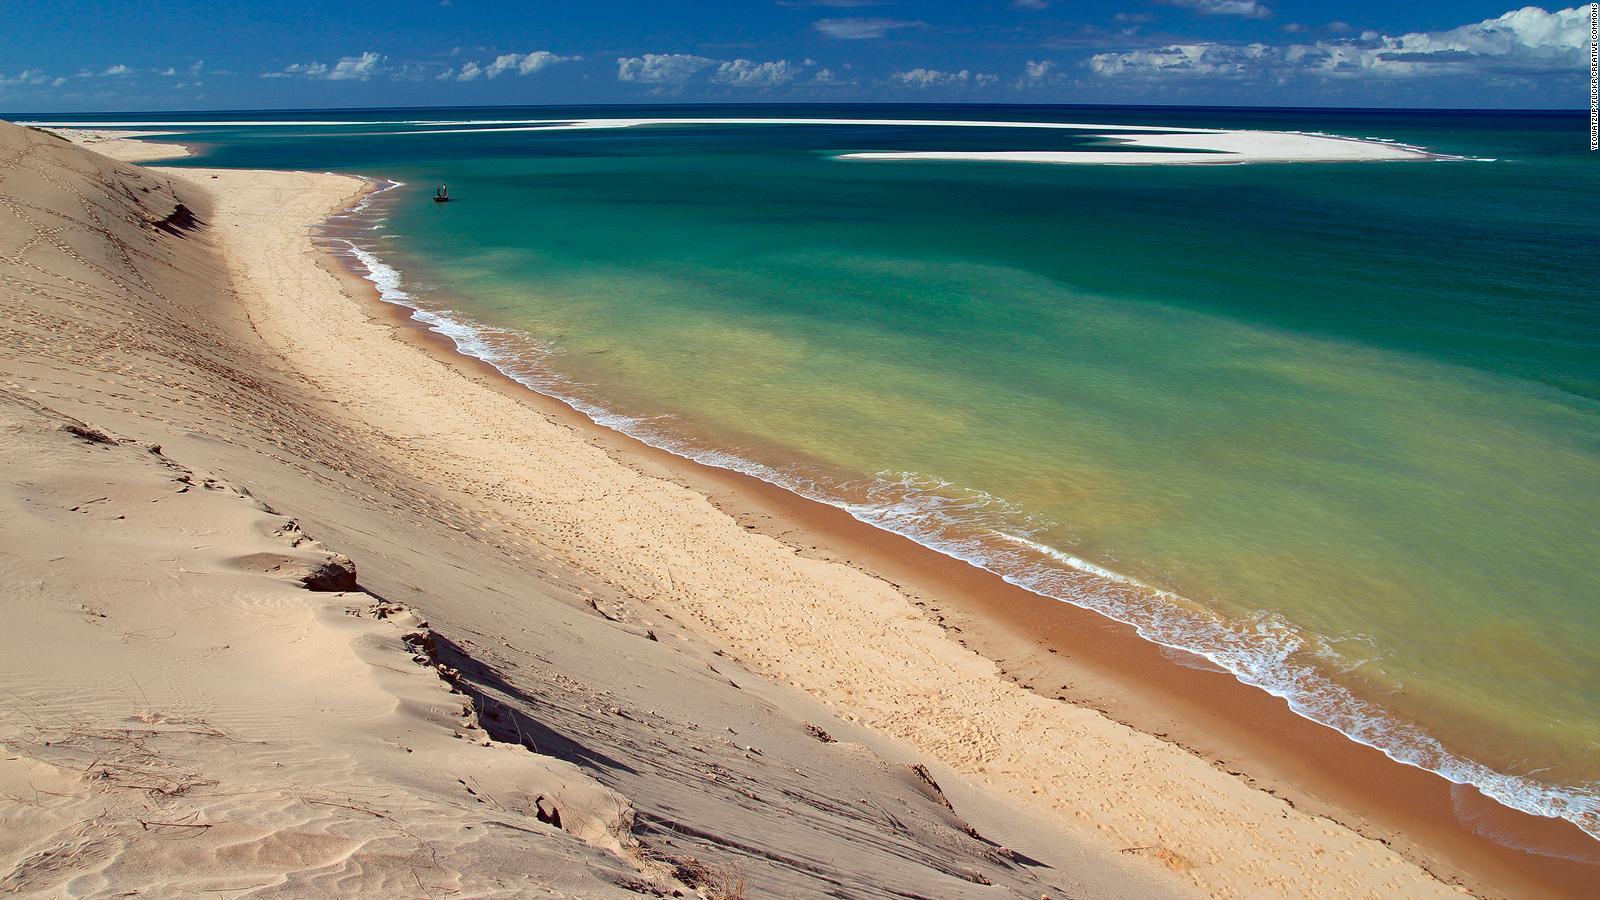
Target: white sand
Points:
(122, 144)
(1220, 148)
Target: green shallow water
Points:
(1347, 416)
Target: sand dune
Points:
(619, 688)
(184, 715)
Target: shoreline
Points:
(1100, 664)
(122, 145)
(1025, 637)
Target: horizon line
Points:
(808, 103)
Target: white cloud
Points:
(861, 29)
(29, 78)
(661, 68)
(525, 63)
(679, 68)
(468, 71)
(1036, 72)
(349, 68)
(1520, 43)
(1249, 9)
(1182, 59)
(168, 71)
(310, 70)
(744, 73)
(416, 71)
(1524, 39)
(358, 68)
(1031, 4)
(927, 78)
(117, 70)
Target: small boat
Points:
(442, 195)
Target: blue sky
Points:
(79, 56)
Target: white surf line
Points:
(591, 124)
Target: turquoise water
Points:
(1336, 426)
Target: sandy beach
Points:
(120, 144)
(302, 601)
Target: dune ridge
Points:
(185, 713)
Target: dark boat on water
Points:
(442, 195)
